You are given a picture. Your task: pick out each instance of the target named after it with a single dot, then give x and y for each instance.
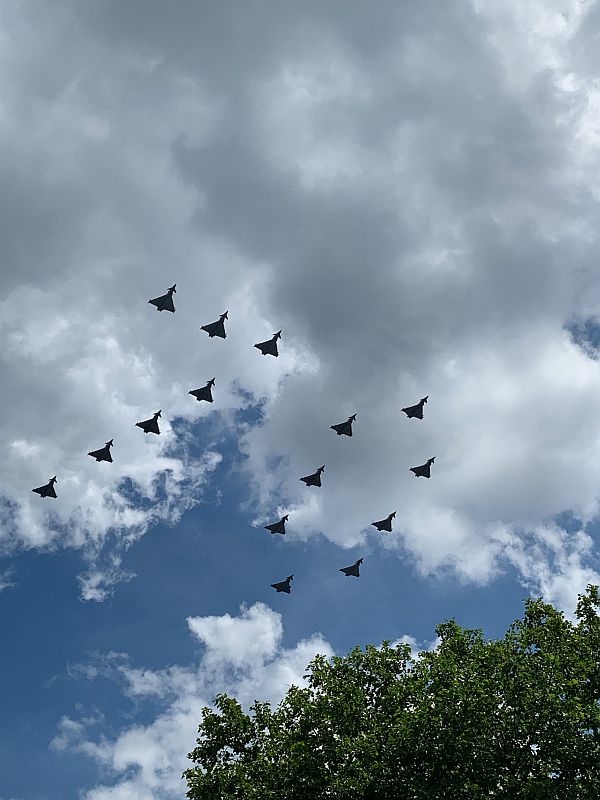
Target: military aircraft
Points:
(283, 586)
(104, 453)
(150, 425)
(424, 470)
(344, 428)
(269, 348)
(353, 570)
(385, 524)
(47, 490)
(417, 410)
(205, 392)
(277, 527)
(315, 478)
(216, 328)
(165, 301)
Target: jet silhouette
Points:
(104, 453)
(385, 524)
(205, 392)
(165, 301)
(353, 570)
(217, 328)
(283, 586)
(416, 411)
(149, 425)
(344, 428)
(423, 471)
(47, 490)
(278, 527)
(315, 478)
(269, 348)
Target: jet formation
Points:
(269, 347)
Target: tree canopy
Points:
(517, 717)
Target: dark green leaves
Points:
(517, 718)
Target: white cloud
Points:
(241, 655)
(6, 579)
(415, 646)
(554, 564)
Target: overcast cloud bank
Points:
(409, 192)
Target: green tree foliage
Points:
(515, 718)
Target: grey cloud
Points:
(398, 190)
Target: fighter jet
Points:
(385, 524)
(217, 328)
(283, 586)
(149, 425)
(344, 428)
(416, 411)
(47, 490)
(278, 527)
(315, 478)
(104, 453)
(424, 471)
(269, 348)
(165, 301)
(205, 392)
(353, 570)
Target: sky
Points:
(410, 193)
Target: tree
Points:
(515, 718)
